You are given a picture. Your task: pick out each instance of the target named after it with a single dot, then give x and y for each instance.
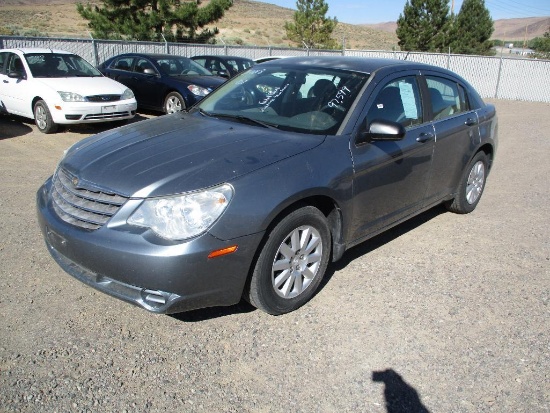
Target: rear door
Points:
(456, 129)
(391, 177)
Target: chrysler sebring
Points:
(257, 188)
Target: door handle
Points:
(471, 122)
(6, 81)
(425, 137)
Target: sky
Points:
(369, 11)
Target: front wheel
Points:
(471, 186)
(292, 262)
(173, 103)
(43, 118)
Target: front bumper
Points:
(155, 274)
(91, 112)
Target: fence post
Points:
(165, 44)
(498, 77)
(94, 50)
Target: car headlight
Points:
(71, 97)
(183, 216)
(198, 90)
(128, 94)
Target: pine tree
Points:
(424, 26)
(311, 26)
(541, 45)
(472, 29)
(176, 20)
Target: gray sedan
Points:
(257, 188)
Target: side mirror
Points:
(17, 75)
(222, 73)
(149, 72)
(381, 130)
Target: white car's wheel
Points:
(43, 118)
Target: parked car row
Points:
(55, 87)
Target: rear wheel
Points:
(292, 262)
(43, 118)
(173, 103)
(471, 186)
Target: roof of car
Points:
(221, 56)
(361, 64)
(28, 50)
(151, 55)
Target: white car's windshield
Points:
(48, 65)
(297, 98)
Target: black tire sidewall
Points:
(261, 292)
(177, 95)
(460, 204)
(50, 125)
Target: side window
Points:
(15, 64)
(3, 58)
(399, 101)
(446, 98)
(124, 63)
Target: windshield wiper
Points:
(243, 119)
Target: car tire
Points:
(43, 118)
(173, 103)
(471, 186)
(291, 263)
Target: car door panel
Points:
(390, 177)
(457, 134)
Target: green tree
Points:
(472, 29)
(424, 25)
(541, 46)
(176, 20)
(311, 26)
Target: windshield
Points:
(174, 66)
(301, 99)
(59, 65)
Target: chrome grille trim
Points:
(82, 207)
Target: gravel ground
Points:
(445, 313)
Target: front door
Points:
(391, 177)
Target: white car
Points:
(57, 87)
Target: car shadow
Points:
(379, 241)
(14, 126)
(350, 255)
(213, 312)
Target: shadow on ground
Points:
(399, 395)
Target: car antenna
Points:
(407, 55)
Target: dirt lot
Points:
(445, 313)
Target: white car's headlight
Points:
(198, 90)
(183, 216)
(71, 97)
(128, 94)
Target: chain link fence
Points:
(493, 77)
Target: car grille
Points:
(103, 98)
(82, 207)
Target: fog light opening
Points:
(153, 298)
(223, 251)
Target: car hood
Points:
(177, 153)
(85, 86)
(211, 82)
